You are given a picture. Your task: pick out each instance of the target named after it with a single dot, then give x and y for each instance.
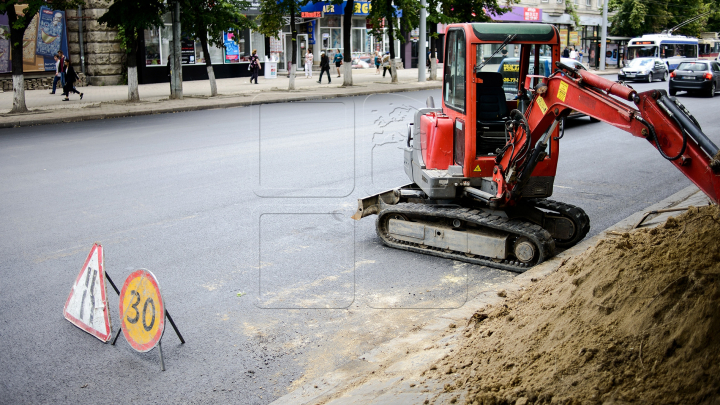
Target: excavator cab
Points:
(485, 69)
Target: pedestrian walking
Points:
(57, 77)
(70, 78)
(580, 55)
(308, 64)
(62, 67)
(386, 63)
(573, 54)
(324, 67)
(254, 66)
(338, 61)
(378, 58)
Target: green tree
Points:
(132, 17)
(474, 10)
(272, 19)
(637, 17)
(18, 24)
(207, 19)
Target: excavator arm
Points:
(653, 115)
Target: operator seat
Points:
(491, 113)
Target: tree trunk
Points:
(16, 40)
(293, 58)
(391, 38)
(133, 94)
(347, 29)
(208, 63)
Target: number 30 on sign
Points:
(142, 310)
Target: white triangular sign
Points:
(86, 307)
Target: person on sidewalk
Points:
(57, 77)
(338, 61)
(324, 67)
(378, 58)
(254, 66)
(308, 64)
(566, 53)
(386, 63)
(70, 78)
(62, 67)
(573, 54)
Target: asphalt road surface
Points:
(243, 215)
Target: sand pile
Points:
(634, 319)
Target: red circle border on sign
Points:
(161, 328)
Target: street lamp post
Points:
(603, 36)
(422, 51)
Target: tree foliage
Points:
(637, 17)
(206, 20)
(132, 17)
(460, 11)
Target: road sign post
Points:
(86, 306)
(143, 313)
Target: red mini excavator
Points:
(483, 165)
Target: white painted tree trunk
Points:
(213, 85)
(133, 94)
(433, 68)
(347, 74)
(291, 82)
(393, 71)
(19, 94)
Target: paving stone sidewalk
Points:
(391, 373)
(103, 102)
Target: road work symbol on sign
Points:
(142, 310)
(86, 306)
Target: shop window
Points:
(152, 47)
(359, 23)
(332, 21)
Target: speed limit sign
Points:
(142, 310)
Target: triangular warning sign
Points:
(477, 169)
(86, 307)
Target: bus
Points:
(672, 49)
(709, 45)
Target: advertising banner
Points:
(43, 38)
(232, 51)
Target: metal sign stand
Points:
(167, 316)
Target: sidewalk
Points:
(391, 373)
(103, 102)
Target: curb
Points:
(387, 373)
(345, 92)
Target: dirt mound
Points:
(634, 319)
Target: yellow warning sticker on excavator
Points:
(562, 91)
(477, 169)
(541, 102)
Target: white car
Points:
(573, 63)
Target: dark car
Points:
(644, 69)
(701, 76)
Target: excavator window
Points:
(454, 91)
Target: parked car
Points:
(644, 69)
(362, 62)
(702, 76)
(573, 63)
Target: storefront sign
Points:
(187, 50)
(518, 14)
(311, 14)
(574, 38)
(563, 37)
(360, 8)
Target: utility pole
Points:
(176, 91)
(603, 36)
(422, 50)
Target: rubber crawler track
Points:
(537, 235)
(573, 213)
